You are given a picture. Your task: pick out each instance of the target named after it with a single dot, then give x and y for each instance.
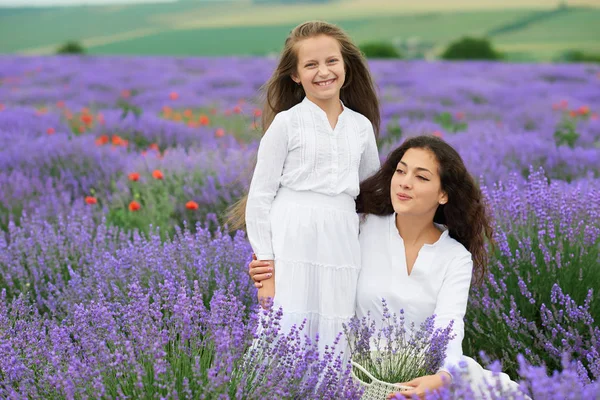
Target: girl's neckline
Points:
(315, 107)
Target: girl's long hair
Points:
(465, 214)
(281, 93)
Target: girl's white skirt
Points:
(317, 261)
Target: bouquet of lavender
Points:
(388, 353)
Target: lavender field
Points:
(119, 280)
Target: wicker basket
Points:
(376, 389)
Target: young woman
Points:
(422, 240)
(321, 115)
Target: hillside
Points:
(195, 27)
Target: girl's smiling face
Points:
(320, 69)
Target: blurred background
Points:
(511, 30)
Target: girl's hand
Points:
(422, 385)
(260, 271)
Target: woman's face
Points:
(416, 188)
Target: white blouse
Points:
(438, 283)
(301, 151)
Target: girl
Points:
(422, 242)
(321, 118)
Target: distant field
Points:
(264, 39)
(574, 30)
(27, 29)
(578, 28)
(242, 28)
(208, 41)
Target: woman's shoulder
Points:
(373, 222)
(452, 248)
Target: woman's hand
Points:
(260, 271)
(422, 385)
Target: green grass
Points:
(208, 42)
(41, 28)
(52, 26)
(576, 25)
(577, 29)
(433, 27)
(528, 34)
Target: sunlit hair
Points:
(465, 214)
(281, 93)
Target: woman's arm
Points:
(262, 271)
(451, 305)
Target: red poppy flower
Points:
(204, 120)
(191, 205)
(87, 119)
(134, 206)
(156, 174)
(583, 110)
(91, 200)
(134, 176)
(119, 141)
(102, 140)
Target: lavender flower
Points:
(98, 301)
(397, 353)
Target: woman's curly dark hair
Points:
(465, 214)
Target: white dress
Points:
(438, 284)
(301, 213)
